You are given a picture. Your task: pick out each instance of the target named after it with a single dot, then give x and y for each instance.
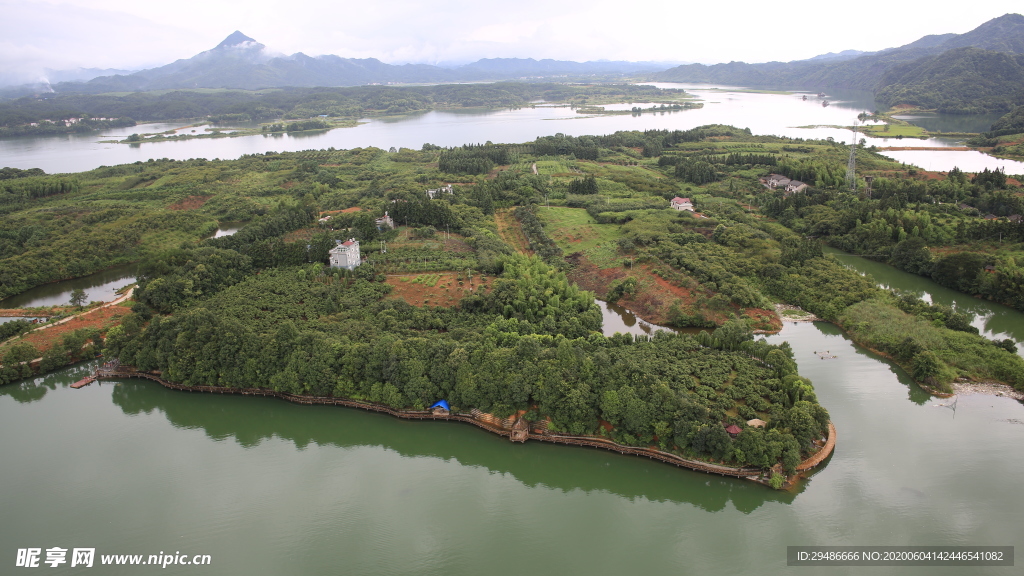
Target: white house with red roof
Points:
(682, 204)
(345, 254)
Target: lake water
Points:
(267, 487)
(944, 160)
(6, 319)
(779, 114)
(227, 230)
(101, 287)
(618, 319)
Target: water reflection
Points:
(29, 390)
(102, 287)
(6, 319)
(617, 319)
(251, 421)
(227, 229)
(916, 394)
(34, 389)
(995, 321)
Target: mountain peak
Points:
(236, 39)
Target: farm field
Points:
(443, 289)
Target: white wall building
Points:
(682, 204)
(345, 254)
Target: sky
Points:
(132, 34)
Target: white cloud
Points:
(129, 33)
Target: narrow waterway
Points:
(993, 320)
(267, 487)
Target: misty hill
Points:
(891, 73)
(241, 62)
(963, 80)
(837, 56)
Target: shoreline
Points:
(519, 431)
(797, 314)
(987, 389)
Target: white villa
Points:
(682, 204)
(345, 254)
(385, 222)
(447, 189)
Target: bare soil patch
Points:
(190, 203)
(102, 319)
(300, 234)
(435, 289)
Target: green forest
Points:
(244, 106)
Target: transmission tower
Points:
(851, 166)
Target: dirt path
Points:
(114, 302)
(535, 168)
(511, 232)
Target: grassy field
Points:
(894, 130)
(551, 167)
(573, 230)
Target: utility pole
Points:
(851, 166)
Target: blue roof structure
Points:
(442, 404)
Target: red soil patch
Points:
(288, 185)
(656, 295)
(445, 293)
(761, 319)
(190, 203)
(329, 213)
(651, 302)
(300, 234)
(102, 319)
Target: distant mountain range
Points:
(978, 71)
(241, 62)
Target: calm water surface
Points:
(6, 319)
(101, 287)
(779, 114)
(268, 487)
(618, 319)
(944, 160)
